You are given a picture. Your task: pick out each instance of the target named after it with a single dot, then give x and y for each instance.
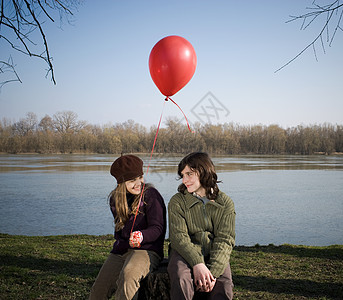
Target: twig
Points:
(329, 9)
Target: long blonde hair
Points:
(118, 199)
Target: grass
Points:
(64, 267)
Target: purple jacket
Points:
(151, 221)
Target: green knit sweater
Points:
(202, 233)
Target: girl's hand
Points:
(135, 240)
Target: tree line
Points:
(64, 133)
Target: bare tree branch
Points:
(335, 7)
(6, 67)
(337, 27)
(47, 57)
(24, 21)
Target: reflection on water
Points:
(278, 199)
(159, 163)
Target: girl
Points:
(136, 251)
(201, 232)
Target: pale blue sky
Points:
(102, 74)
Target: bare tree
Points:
(22, 27)
(27, 124)
(67, 122)
(331, 13)
(46, 123)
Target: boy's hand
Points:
(203, 278)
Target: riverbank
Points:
(64, 267)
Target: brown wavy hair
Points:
(118, 199)
(201, 163)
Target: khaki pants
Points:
(182, 286)
(121, 274)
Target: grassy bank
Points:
(64, 267)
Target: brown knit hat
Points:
(127, 167)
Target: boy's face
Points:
(190, 178)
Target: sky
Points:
(102, 73)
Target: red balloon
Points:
(172, 63)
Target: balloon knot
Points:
(167, 98)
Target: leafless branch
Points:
(330, 10)
(43, 9)
(8, 67)
(21, 19)
(337, 27)
(47, 57)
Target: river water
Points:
(278, 199)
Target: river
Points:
(278, 199)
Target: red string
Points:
(152, 151)
(147, 171)
(168, 98)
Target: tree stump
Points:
(156, 285)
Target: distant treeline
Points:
(64, 133)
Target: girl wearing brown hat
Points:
(137, 250)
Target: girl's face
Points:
(191, 180)
(134, 186)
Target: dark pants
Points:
(182, 285)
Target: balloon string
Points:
(189, 128)
(152, 151)
(158, 128)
